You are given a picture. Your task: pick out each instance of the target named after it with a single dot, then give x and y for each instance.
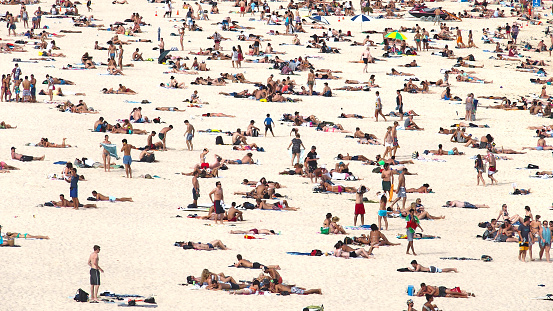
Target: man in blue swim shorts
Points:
(127, 160)
(73, 189)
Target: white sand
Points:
(136, 238)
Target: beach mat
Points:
(299, 253)
(112, 149)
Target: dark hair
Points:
(413, 262)
(96, 247)
(428, 297)
(239, 257)
(124, 141)
(338, 245)
(255, 282)
(374, 227)
(328, 215)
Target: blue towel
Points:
(298, 253)
(61, 162)
(112, 149)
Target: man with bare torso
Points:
(127, 160)
(216, 196)
(189, 134)
(94, 274)
(101, 197)
(401, 193)
(163, 135)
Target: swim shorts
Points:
(73, 192)
(189, 136)
(523, 246)
(491, 171)
(401, 192)
(435, 269)
(195, 194)
(297, 290)
(382, 213)
(256, 265)
(386, 185)
(238, 161)
(204, 165)
(25, 158)
(442, 290)
(219, 207)
(410, 235)
(359, 209)
(94, 276)
(365, 60)
(469, 205)
(127, 160)
(161, 136)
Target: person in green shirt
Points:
(412, 225)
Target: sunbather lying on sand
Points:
(213, 245)
(101, 197)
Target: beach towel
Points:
(112, 149)
(363, 227)
(61, 162)
(404, 237)
(546, 297)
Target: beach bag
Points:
(255, 133)
(149, 158)
(219, 140)
(316, 252)
(532, 166)
(248, 205)
(325, 230)
(314, 308)
(81, 296)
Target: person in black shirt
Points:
(311, 160)
(523, 240)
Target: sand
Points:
(137, 238)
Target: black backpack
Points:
(316, 252)
(255, 133)
(219, 140)
(81, 296)
(248, 205)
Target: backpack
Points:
(248, 205)
(219, 140)
(316, 252)
(149, 158)
(533, 166)
(314, 308)
(255, 133)
(81, 296)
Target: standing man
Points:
(437, 13)
(94, 274)
(50, 86)
(74, 188)
(395, 142)
(514, 32)
(127, 160)
(366, 56)
(399, 102)
(242, 8)
(412, 225)
(459, 38)
(388, 139)
(195, 189)
(401, 193)
(189, 134)
(26, 84)
(120, 57)
(217, 200)
(387, 179)
(311, 81)
(163, 135)
(16, 72)
(269, 124)
(378, 108)
(359, 207)
(523, 238)
(33, 88)
(311, 160)
(492, 166)
(168, 9)
(217, 40)
(468, 106)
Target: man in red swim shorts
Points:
(359, 207)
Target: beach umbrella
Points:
(396, 35)
(361, 18)
(319, 19)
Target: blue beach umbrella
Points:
(361, 18)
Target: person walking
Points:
(189, 134)
(492, 166)
(469, 102)
(412, 225)
(94, 274)
(479, 166)
(195, 189)
(401, 190)
(216, 196)
(269, 123)
(378, 108)
(296, 143)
